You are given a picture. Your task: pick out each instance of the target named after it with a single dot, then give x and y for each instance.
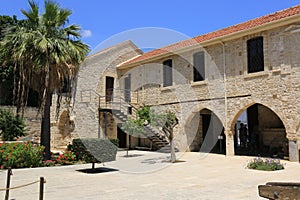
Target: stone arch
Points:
(202, 128)
(247, 104)
(266, 131)
(189, 115)
(65, 124)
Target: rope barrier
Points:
(20, 186)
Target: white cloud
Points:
(86, 33)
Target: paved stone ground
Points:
(146, 175)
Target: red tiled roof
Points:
(219, 33)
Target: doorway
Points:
(260, 133)
(205, 133)
(109, 88)
(122, 137)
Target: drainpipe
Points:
(227, 129)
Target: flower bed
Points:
(265, 164)
(20, 155)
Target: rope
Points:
(20, 186)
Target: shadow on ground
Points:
(97, 170)
(132, 155)
(159, 160)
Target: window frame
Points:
(255, 55)
(199, 69)
(167, 73)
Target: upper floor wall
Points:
(255, 64)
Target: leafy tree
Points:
(45, 52)
(171, 122)
(167, 121)
(11, 127)
(6, 72)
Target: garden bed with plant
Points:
(28, 155)
(265, 164)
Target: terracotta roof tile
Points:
(219, 33)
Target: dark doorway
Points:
(122, 137)
(213, 137)
(252, 116)
(265, 133)
(205, 124)
(109, 88)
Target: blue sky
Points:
(102, 20)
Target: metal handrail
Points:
(117, 100)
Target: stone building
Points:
(210, 80)
(96, 89)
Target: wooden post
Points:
(9, 173)
(42, 181)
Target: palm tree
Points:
(45, 52)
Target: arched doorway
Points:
(260, 132)
(205, 133)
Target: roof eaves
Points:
(221, 38)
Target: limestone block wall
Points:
(92, 77)
(277, 87)
(110, 125)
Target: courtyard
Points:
(147, 175)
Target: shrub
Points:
(67, 158)
(11, 127)
(92, 150)
(48, 163)
(115, 142)
(20, 155)
(267, 164)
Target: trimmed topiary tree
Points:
(94, 150)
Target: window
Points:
(167, 73)
(67, 86)
(255, 52)
(199, 66)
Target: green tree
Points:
(170, 123)
(45, 52)
(6, 72)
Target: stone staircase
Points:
(123, 111)
(123, 117)
(157, 137)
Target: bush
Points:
(267, 164)
(20, 155)
(115, 142)
(67, 158)
(11, 127)
(48, 163)
(92, 150)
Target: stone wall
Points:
(91, 85)
(277, 87)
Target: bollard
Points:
(42, 181)
(9, 173)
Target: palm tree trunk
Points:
(45, 126)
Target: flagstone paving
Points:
(146, 175)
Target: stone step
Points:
(167, 149)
